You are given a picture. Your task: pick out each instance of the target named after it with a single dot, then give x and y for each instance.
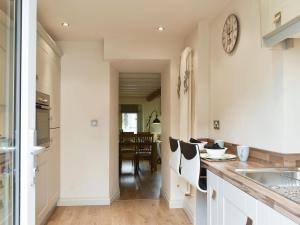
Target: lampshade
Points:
(156, 120)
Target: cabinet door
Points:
(43, 71)
(53, 169)
(236, 207)
(55, 94)
(267, 215)
(3, 88)
(212, 198)
(41, 188)
(288, 9)
(48, 79)
(2, 74)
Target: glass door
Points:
(9, 115)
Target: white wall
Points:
(84, 149)
(291, 70)
(254, 92)
(246, 87)
(114, 135)
(199, 41)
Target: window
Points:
(130, 122)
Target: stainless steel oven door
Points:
(43, 125)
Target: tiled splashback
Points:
(273, 158)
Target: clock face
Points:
(230, 33)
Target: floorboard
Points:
(139, 204)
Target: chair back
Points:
(175, 157)
(144, 142)
(128, 141)
(190, 166)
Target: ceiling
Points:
(97, 19)
(138, 84)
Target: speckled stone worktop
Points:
(226, 170)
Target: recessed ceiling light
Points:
(65, 24)
(161, 28)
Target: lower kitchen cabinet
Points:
(228, 205)
(53, 169)
(238, 208)
(267, 215)
(41, 188)
(212, 199)
(47, 179)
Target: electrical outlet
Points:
(217, 124)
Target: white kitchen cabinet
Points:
(212, 198)
(53, 167)
(280, 20)
(2, 74)
(41, 188)
(55, 95)
(228, 205)
(48, 82)
(47, 179)
(237, 207)
(48, 78)
(286, 11)
(267, 215)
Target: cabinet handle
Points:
(249, 221)
(277, 18)
(214, 194)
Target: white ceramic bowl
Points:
(216, 153)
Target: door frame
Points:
(27, 115)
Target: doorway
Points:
(140, 113)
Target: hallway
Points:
(125, 212)
(142, 186)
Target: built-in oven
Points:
(42, 119)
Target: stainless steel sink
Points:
(285, 181)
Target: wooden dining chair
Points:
(127, 149)
(145, 149)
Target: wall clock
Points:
(230, 33)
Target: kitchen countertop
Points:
(226, 170)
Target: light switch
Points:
(94, 123)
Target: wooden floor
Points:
(144, 185)
(122, 212)
(140, 204)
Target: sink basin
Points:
(285, 181)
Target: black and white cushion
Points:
(190, 166)
(175, 156)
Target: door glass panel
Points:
(7, 112)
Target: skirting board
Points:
(173, 204)
(83, 201)
(115, 196)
